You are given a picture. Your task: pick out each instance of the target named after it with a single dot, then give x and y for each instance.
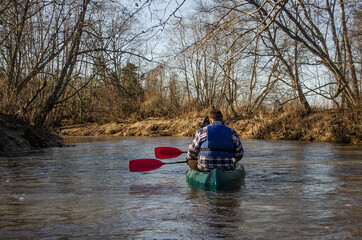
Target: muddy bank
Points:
(318, 127)
(16, 135)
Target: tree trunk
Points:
(67, 70)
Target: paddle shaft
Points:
(176, 162)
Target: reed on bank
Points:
(318, 126)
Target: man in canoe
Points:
(214, 146)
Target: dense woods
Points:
(104, 61)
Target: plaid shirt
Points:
(209, 163)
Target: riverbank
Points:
(318, 127)
(17, 135)
(325, 126)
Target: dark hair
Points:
(215, 114)
(205, 122)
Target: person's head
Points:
(215, 115)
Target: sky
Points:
(158, 22)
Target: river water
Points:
(292, 190)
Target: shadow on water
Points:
(292, 190)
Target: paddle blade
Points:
(144, 165)
(167, 152)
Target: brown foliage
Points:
(321, 126)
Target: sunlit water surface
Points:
(292, 190)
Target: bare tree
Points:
(289, 54)
(199, 61)
(66, 72)
(312, 33)
(48, 49)
(317, 28)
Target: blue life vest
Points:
(218, 142)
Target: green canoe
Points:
(217, 179)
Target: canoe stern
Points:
(217, 179)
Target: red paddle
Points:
(167, 152)
(144, 165)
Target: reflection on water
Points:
(292, 190)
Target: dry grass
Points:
(149, 127)
(320, 126)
